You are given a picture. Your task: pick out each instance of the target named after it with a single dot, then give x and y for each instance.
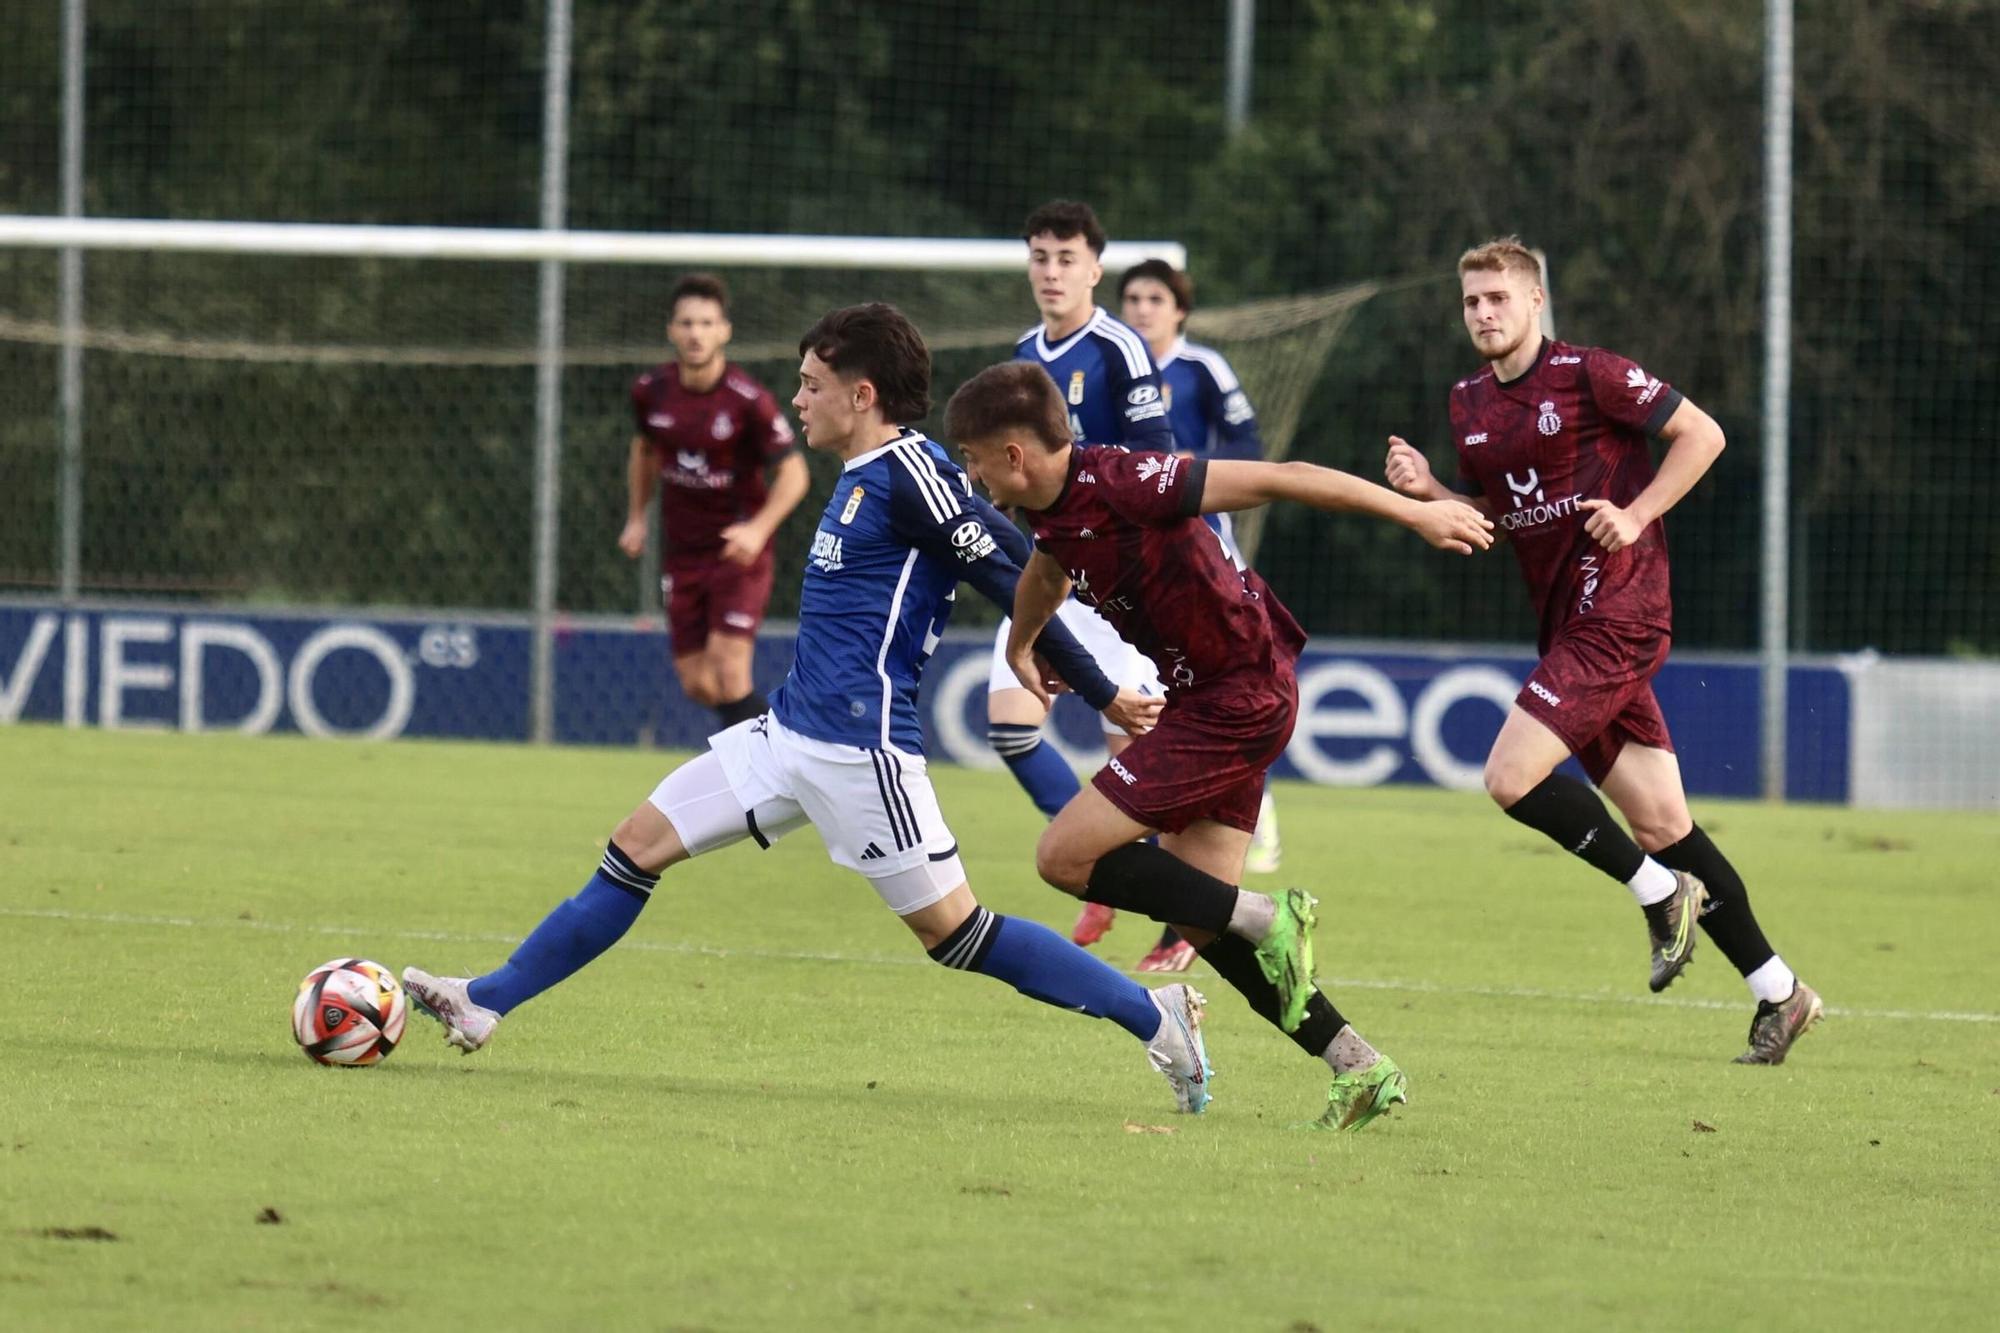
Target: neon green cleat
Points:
(1286, 955)
(1355, 1099)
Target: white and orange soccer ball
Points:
(349, 1012)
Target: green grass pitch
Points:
(767, 1110)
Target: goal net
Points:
(360, 430)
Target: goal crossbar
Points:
(519, 243)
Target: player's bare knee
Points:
(1505, 782)
(649, 838)
(1655, 829)
(1059, 866)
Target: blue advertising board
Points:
(1366, 716)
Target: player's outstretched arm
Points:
(1038, 594)
(1448, 524)
(744, 542)
(640, 475)
(1694, 442)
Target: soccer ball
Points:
(349, 1012)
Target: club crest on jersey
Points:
(853, 506)
(722, 427)
(1075, 388)
(1548, 423)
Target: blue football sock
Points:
(1044, 966)
(578, 930)
(1042, 772)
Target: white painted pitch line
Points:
(905, 960)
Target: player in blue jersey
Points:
(1212, 418)
(842, 747)
(1112, 390)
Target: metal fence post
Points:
(548, 370)
(1774, 639)
(69, 307)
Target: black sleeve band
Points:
(1191, 489)
(1663, 411)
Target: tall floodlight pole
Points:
(69, 313)
(1773, 636)
(548, 370)
(1236, 90)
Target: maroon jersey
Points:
(712, 449)
(1573, 428)
(1127, 530)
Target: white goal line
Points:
(917, 960)
(931, 254)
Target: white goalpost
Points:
(554, 251)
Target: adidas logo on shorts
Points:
(872, 853)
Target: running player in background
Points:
(1552, 438)
(842, 744)
(1124, 530)
(1211, 417)
(710, 433)
(1112, 394)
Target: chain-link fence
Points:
(361, 432)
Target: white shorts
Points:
(1126, 666)
(874, 809)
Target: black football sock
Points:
(1727, 917)
(1574, 816)
(741, 710)
(1151, 881)
(1168, 938)
(1235, 961)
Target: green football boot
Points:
(1286, 955)
(1356, 1098)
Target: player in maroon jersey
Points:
(1552, 440)
(708, 434)
(1125, 530)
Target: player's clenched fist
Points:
(1453, 525)
(633, 539)
(1407, 470)
(1609, 526)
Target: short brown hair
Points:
(1160, 271)
(1064, 218)
(704, 285)
(1499, 255)
(877, 342)
(1012, 396)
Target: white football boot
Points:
(466, 1025)
(1176, 1050)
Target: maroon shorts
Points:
(709, 595)
(1207, 757)
(1594, 689)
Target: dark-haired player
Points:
(1124, 529)
(1552, 438)
(842, 745)
(1211, 417)
(1111, 391)
(707, 436)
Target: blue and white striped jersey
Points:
(1107, 376)
(1208, 410)
(899, 533)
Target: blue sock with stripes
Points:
(578, 930)
(1044, 966)
(1042, 772)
